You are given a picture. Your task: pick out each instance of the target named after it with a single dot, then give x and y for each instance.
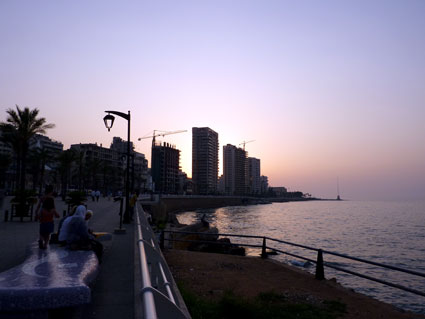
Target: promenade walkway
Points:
(113, 291)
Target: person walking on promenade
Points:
(132, 203)
(93, 195)
(48, 212)
(97, 195)
(47, 193)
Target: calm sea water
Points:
(390, 232)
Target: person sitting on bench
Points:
(77, 233)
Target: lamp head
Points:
(109, 121)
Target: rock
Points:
(207, 238)
(240, 251)
(204, 221)
(271, 252)
(174, 221)
(224, 240)
(210, 234)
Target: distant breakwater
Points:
(163, 206)
(160, 209)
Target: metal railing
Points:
(320, 264)
(159, 294)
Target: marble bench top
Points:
(48, 279)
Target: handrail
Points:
(354, 258)
(319, 262)
(158, 288)
(149, 309)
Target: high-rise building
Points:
(229, 169)
(220, 185)
(234, 170)
(254, 176)
(165, 168)
(264, 181)
(204, 160)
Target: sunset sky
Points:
(326, 89)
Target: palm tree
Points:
(92, 167)
(106, 171)
(5, 161)
(65, 159)
(80, 160)
(20, 126)
(39, 158)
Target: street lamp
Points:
(109, 121)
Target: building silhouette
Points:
(204, 160)
(44, 142)
(91, 166)
(98, 167)
(264, 184)
(39, 146)
(119, 145)
(254, 176)
(138, 164)
(165, 166)
(220, 185)
(234, 170)
(91, 160)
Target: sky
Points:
(326, 89)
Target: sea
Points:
(387, 232)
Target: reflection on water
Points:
(385, 232)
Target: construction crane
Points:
(246, 142)
(162, 133)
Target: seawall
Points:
(161, 208)
(163, 205)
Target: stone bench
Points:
(48, 279)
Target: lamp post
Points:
(109, 121)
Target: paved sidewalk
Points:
(113, 290)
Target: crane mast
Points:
(163, 133)
(246, 142)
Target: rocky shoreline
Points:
(206, 240)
